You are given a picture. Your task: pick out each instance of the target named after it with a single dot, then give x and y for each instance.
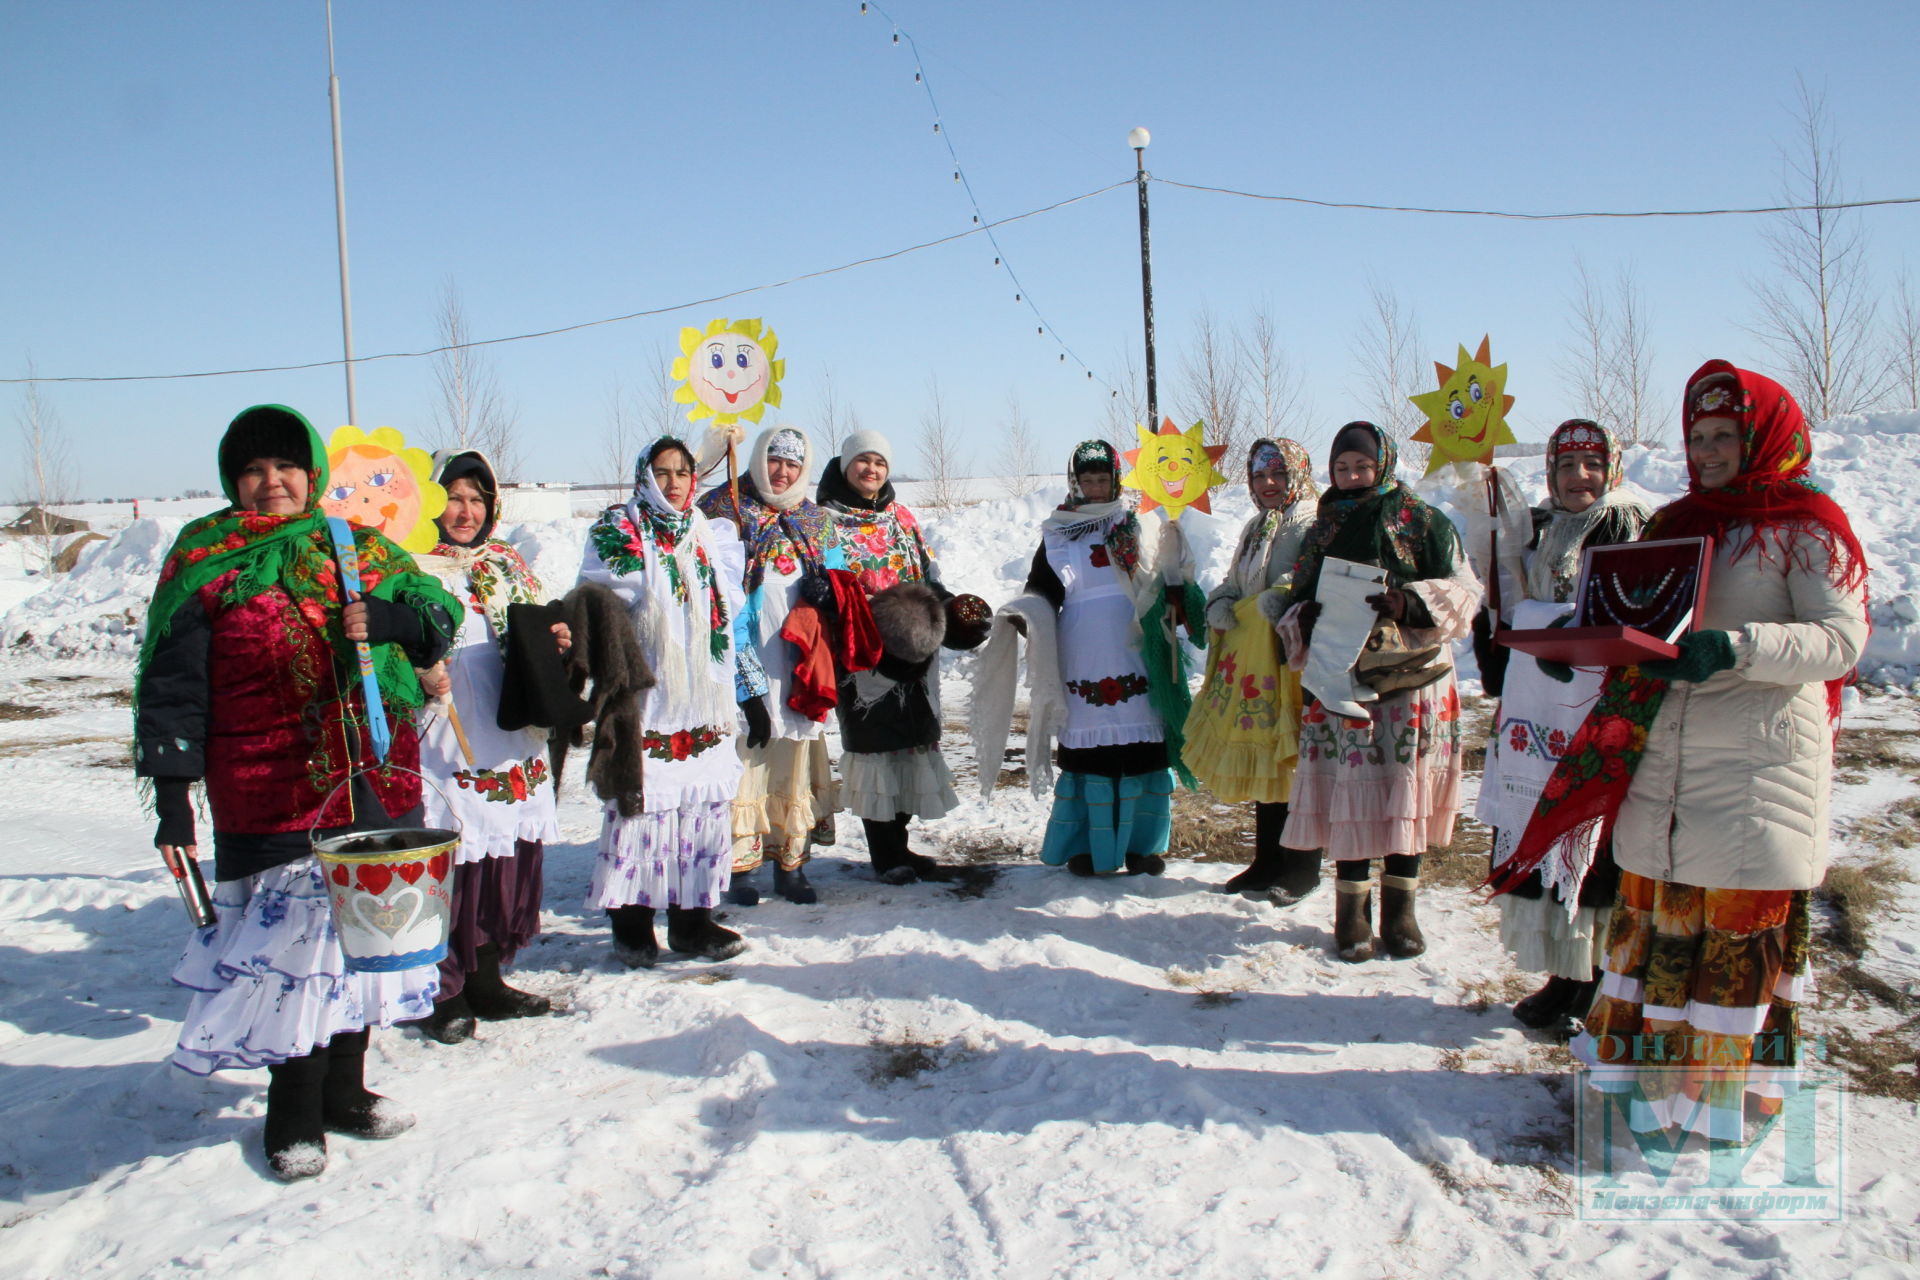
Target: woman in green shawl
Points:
(248, 682)
(1387, 785)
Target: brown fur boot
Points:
(1398, 929)
(1353, 919)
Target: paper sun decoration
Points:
(728, 373)
(1467, 416)
(380, 480)
(1173, 468)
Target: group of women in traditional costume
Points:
(1656, 829)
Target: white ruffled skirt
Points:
(880, 784)
(270, 981)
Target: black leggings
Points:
(1397, 864)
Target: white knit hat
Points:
(864, 442)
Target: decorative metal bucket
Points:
(392, 895)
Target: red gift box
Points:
(1636, 600)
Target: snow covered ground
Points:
(1027, 1074)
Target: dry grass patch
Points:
(1463, 863)
(1883, 1064)
(25, 711)
(1483, 994)
(904, 1058)
(1895, 827)
(1868, 747)
(1859, 895)
(1204, 830)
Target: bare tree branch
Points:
(1816, 310)
(1903, 343)
(940, 449)
(1127, 406)
(46, 470)
(1388, 348)
(635, 419)
(1019, 456)
(1277, 404)
(1214, 387)
(1606, 357)
(472, 413)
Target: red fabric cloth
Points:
(858, 645)
(275, 710)
(815, 689)
(827, 652)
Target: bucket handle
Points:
(361, 770)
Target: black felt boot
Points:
(1081, 864)
(296, 1136)
(742, 892)
(633, 941)
(1264, 872)
(1146, 864)
(794, 886)
(489, 996)
(691, 931)
(346, 1103)
(1579, 1002)
(886, 850)
(1548, 1005)
(451, 1022)
(923, 867)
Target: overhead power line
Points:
(590, 324)
(1539, 217)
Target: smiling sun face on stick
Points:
(380, 480)
(728, 372)
(1467, 416)
(1173, 468)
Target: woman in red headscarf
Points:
(1712, 770)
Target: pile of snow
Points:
(985, 544)
(101, 606)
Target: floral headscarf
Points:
(1581, 435)
(1291, 455)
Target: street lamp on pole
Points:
(1138, 140)
(340, 220)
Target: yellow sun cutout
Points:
(1467, 416)
(381, 481)
(728, 372)
(1173, 468)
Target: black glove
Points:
(1702, 655)
(759, 722)
(174, 804)
(1390, 603)
(390, 622)
(1309, 610)
(817, 590)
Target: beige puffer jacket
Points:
(1732, 791)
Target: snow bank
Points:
(1867, 461)
(101, 605)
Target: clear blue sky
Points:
(168, 200)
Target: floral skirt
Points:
(786, 788)
(1243, 733)
(270, 981)
(1389, 784)
(1698, 1009)
(879, 785)
(669, 857)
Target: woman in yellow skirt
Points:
(1243, 733)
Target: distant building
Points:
(39, 522)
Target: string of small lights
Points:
(1044, 327)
